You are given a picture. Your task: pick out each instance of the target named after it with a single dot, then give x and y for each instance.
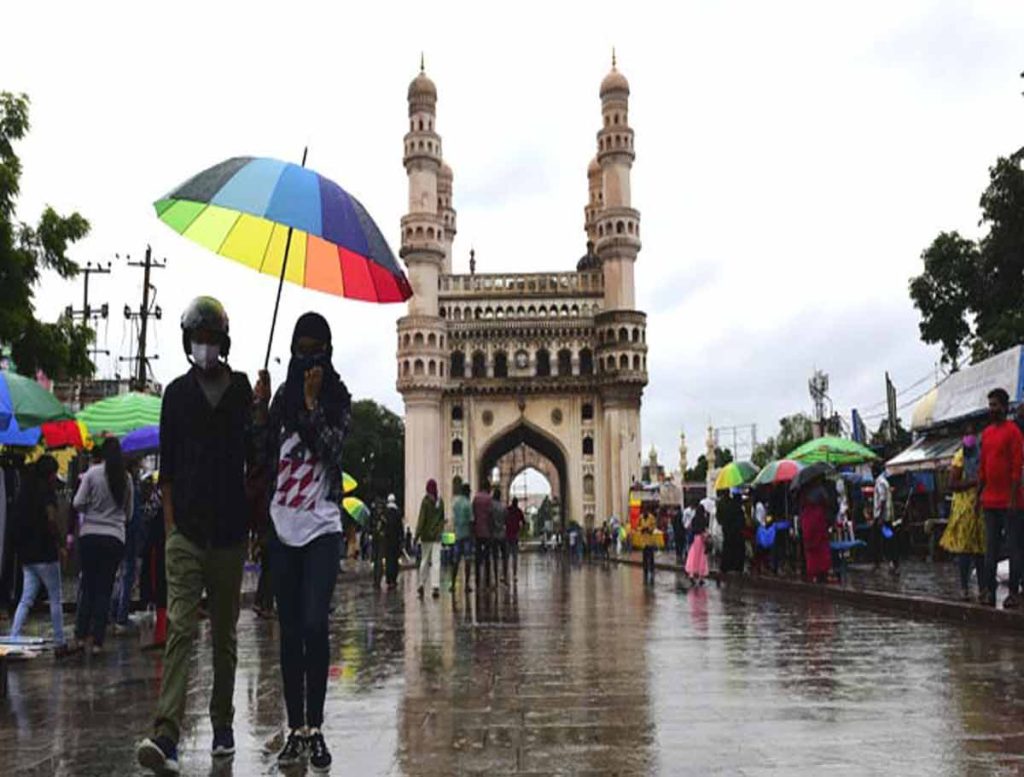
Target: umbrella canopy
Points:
(146, 439)
(833, 450)
(734, 474)
(243, 208)
(348, 483)
(121, 414)
(356, 509)
(810, 473)
(66, 434)
(781, 471)
(25, 402)
(16, 437)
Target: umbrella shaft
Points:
(277, 302)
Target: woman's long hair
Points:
(113, 465)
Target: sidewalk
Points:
(922, 589)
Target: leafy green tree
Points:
(970, 292)
(794, 431)
(26, 251)
(699, 473)
(375, 451)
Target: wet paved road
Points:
(583, 672)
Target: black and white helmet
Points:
(205, 313)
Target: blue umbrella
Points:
(143, 440)
(17, 437)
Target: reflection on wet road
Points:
(582, 672)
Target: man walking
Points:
(428, 533)
(482, 532)
(462, 517)
(514, 524)
(206, 426)
(499, 542)
(392, 540)
(999, 488)
(885, 526)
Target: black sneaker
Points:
(294, 750)
(319, 755)
(158, 754)
(223, 742)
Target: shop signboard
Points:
(966, 392)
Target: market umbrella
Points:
(16, 437)
(25, 402)
(734, 474)
(66, 434)
(834, 450)
(121, 414)
(810, 473)
(781, 471)
(287, 221)
(357, 510)
(145, 439)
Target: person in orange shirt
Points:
(999, 489)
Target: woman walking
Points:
(965, 533)
(815, 511)
(308, 421)
(105, 500)
(38, 542)
(697, 556)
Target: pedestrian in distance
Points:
(514, 524)
(429, 528)
(392, 540)
(121, 602)
(38, 543)
(999, 490)
(816, 515)
(208, 426)
(483, 511)
(499, 539)
(645, 541)
(697, 556)
(462, 520)
(885, 525)
(964, 535)
(104, 499)
(731, 519)
(309, 419)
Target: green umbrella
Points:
(833, 450)
(26, 403)
(121, 414)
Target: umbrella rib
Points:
(270, 238)
(228, 232)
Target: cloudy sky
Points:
(793, 159)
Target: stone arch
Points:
(623, 362)
(636, 363)
(405, 368)
(636, 335)
(432, 368)
(479, 365)
(588, 485)
(588, 445)
(522, 432)
(501, 364)
(457, 314)
(432, 340)
(417, 367)
(586, 362)
(564, 362)
(543, 358)
(620, 227)
(623, 335)
(406, 340)
(417, 339)
(457, 447)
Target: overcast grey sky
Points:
(793, 159)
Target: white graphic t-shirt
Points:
(300, 509)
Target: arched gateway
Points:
(548, 367)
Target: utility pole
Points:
(87, 314)
(147, 310)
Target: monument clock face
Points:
(522, 360)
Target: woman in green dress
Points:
(965, 533)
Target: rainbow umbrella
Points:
(348, 483)
(26, 403)
(290, 222)
(356, 509)
(781, 471)
(735, 474)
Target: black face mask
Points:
(304, 363)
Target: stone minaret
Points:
(594, 196)
(421, 333)
(622, 338)
(444, 207)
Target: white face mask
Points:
(205, 356)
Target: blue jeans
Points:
(123, 600)
(998, 523)
(303, 581)
(37, 576)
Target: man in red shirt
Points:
(999, 487)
